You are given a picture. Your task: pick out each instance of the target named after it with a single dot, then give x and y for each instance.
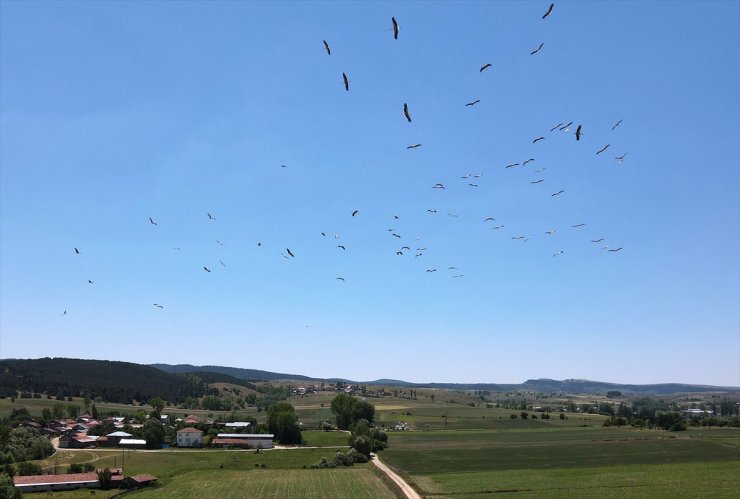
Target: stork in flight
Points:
(395, 28)
(537, 49)
(406, 112)
(484, 67)
(327, 48)
(549, 10)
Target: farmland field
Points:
(325, 483)
(568, 462)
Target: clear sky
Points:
(115, 112)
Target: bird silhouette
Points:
(615, 250)
(549, 10)
(484, 67)
(211, 217)
(578, 133)
(537, 140)
(473, 103)
(577, 225)
(355, 212)
(528, 161)
(152, 221)
(290, 252)
(414, 146)
(557, 193)
(602, 149)
(537, 181)
(406, 112)
(395, 28)
(341, 247)
(346, 81)
(512, 165)
(438, 186)
(340, 279)
(556, 127)
(90, 281)
(327, 48)
(158, 306)
(537, 49)
(597, 240)
(77, 251)
(222, 263)
(206, 269)
(616, 124)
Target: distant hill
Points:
(236, 372)
(114, 381)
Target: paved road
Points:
(405, 487)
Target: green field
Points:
(324, 483)
(553, 461)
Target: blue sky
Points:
(114, 112)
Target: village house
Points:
(189, 437)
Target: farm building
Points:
(189, 437)
(246, 440)
(66, 481)
(134, 443)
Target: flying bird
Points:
(512, 165)
(497, 227)
(618, 158)
(431, 270)
(341, 247)
(537, 140)
(616, 125)
(615, 250)
(340, 279)
(458, 275)
(578, 133)
(577, 225)
(414, 146)
(77, 251)
(550, 232)
(539, 170)
(406, 112)
(355, 212)
(597, 240)
(327, 48)
(549, 10)
(484, 67)
(559, 253)
(537, 49)
(157, 305)
(90, 281)
(528, 161)
(473, 103)
(395, 28)
(438, 186)
(451, 268)
(432, 211)
(473, 185)
(557, 193)
(490, 219)
(290, 252)
(453, 215)
(222, 263)
(206, 269)
(210, 217)
(346, 81)
(537, 181)
(566, 127)
(556, 127)
(65, 313)
(602, 149)
(152, 221)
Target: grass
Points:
(325, 438)
(716, 480)
(224, 484)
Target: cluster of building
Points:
(70, 481)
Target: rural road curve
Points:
(405, 487)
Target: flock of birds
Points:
(569, 128)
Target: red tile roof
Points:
(190, 430)
(61, 478)
(143, 478)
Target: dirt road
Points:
(405, 487)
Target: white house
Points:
(189, 437)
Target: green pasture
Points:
(325, 438)
(225, 484)
(716, 479)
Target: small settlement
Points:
(84, 433)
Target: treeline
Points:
(110, 381)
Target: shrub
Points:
(356, 456)
(513, 416)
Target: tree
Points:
(7, 488)
(154, 433)
(349, 410)
(283, 423)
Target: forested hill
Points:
(246, 374)
(114, 381)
